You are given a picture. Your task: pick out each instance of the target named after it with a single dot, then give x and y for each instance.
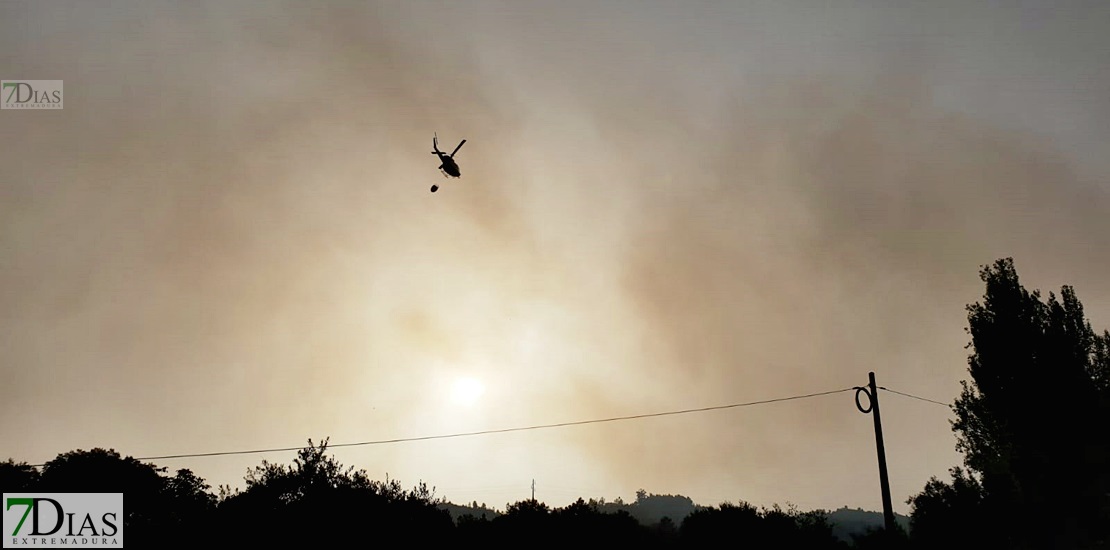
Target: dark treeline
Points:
(1032, 424)
(318, 501)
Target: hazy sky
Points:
(225, 240)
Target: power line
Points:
(914, 396)
(503, 430)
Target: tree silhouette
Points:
(524, 520)
(948, 515)
(582, 524)
(191, 499)
(1032, 423)
(755, 528)
(472, 530)
(153, 503)
(319, 502)
(18, 477)
(882, 539)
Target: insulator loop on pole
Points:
(870, 401)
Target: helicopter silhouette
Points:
(447, 166)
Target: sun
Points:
(467, 391)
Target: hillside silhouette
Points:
(851, 523)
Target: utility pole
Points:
(533, 490)
(884, 483)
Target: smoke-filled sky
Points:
(226, 240)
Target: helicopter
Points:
(447, 162)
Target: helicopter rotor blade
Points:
(457, 148)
